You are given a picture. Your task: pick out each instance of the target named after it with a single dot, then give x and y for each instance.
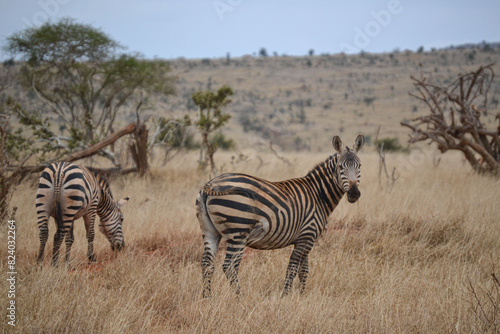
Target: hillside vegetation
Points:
(299, 102)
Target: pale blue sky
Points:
(211, 28)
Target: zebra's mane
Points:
(322, 165)
(103, 182)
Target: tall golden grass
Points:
(415, 257)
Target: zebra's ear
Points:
(359, 142)
(337, 144)
(122, 202)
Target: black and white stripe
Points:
(249, 211)
(67, 192)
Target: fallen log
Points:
(23, 171)
(91, 150)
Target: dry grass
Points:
(401, 260)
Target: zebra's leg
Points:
(303, 273)
(58, 239)
(234, 254)
(69, 242)
(211, 240)
(89, 220)
(44, 235)
(299, 253)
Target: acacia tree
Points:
(210, 118)
(77, 73)
(454, 121)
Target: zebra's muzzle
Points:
(117, 246)
(353, 194)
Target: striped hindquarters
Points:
(69, 188)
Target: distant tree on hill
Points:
(263, 52)
(368, 100)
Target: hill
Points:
(299, 102)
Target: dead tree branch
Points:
(277, 155)
(454, 121)
(19, 172)
(91, 150)
(382, 165)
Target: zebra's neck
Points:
(106, 202)
(323, 177)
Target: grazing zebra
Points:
(67, 192)
(248, 211)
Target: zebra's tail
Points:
(58, 212)
(206, 222)
(58, 215)
(201, 202)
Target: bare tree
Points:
(454, 122)
(172, 135)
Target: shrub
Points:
(219, 140)
(391, 144)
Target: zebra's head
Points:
(348, 167)
(111, 225)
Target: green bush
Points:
(251, 123)
(219, 140)
(391, 145)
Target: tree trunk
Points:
(210, 151)
(89, 128)
(139, 148)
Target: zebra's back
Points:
(268, 212)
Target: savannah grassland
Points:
(415, 256)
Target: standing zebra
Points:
(248, 211)
(67, 192)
